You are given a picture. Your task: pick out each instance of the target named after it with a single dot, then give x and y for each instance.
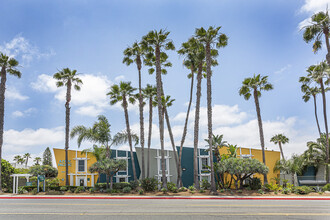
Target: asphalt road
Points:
(36, 209)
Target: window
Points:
(205, 163)
(122, 179)
(81, 166)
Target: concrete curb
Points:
(165, 197)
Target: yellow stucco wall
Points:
(270, 156)
(72, 154)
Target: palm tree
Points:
(210, 38)
(67, 77)
(136, 54)
(149, 93)
(217, 143)
(308, 92)
(21, 161)
(7, 65)
(320, 74)
(295, 165)
(320, 24)
(257, 84)
(316, 153)
(123, 93)
(27, 156)
(99, 133)
(37, 160)
(155, 42)
(17, 158)
(280, 139)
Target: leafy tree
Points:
(257, 84)
(46, 170)
(319, 27)
(68, 78)
(210, 38)
(26, 157)
(135, 54)
(155, 42)
(308, 92)
(47, 157)
(316, 154)
(149, 92)
(37, 160)
(109, 167)
(280, 139)
(123, 93)
(7, 65)
(241, 169)
(6, 169)
(320, 74)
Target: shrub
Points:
(6, 170)
(175, 190)
(34, 191)
(239, 191)
(100, 186)
(254, 183)
(120, 186)
(273, 187)
(191, 188)
(201, 191)
(205, 184)
(63, 188)
(127, 189)
(260, 191)
(149, 184)
(286, 190)
(141, 191)
(222, 190)
(53, 183)
(302, 190)
(134, 184)
(92, 190)
(164, 190)
(171, 186)
(112, 191)
(326, 187)
(79, 189)
(183, 189)
(21, 190)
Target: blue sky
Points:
(90, 36)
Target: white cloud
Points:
(91, 99)
(21, 47)
(27, 112)
(119, 78)
(13, 94)
(311, 7)
(283, 69)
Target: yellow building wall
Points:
(270, 156)
(60, 163)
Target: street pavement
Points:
(63, 209)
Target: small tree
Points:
(27, 156)
(241, 169)
(46, 170)
(6, 169)
(109, 167)
(37, 160)
(47, 157)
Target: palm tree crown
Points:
(257, 83)
(119, 92)
(67, 77)
(9, 65)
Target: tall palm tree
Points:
(123, 93)
(37, 160)
(17, 158)
(7, 65)
(68, 78)
(257, 84)
(149, 93)
(27, 156)
(135, 54)
(316, 153)
(280, 139)
(308, 92)
(155, 42)
(319, 27)
(210, 38)
(320, 74)
(99, 133)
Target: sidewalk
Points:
(168, 197)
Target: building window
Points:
(81, 165)
(205, 164)
(122, 179)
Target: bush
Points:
(273, 187)
(201, 191)
(286, 191)
(175, 189)
(205, 184)
(222, 190)
(134, 184)
(191, 188)
(63, 188)
(149, 184)
(239, 191)
(141, 191)
(6, 170)
(164, 190)
(260, 191)
(21, 190)
(100, 186)
(183, 189)
(254, 183)
(326, 187)
(127, 189)
(34, 191)
(112, 191)
(302, 190)
(79, 189)
(92, 190)
(120, 186)
(171, 186)
(29, 188)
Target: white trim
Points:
(167, 164)
(117, 176)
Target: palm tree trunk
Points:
(128, 129)
(261, 133)
(280, 146)
(141, 122)
(2, 112)
(196, 126)
(172, 139)
(315, 112)
(67, 130)
(149, 135)
(179, 181)
(326, 35)
(160, 114)
(209, 112)
(326, 129)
